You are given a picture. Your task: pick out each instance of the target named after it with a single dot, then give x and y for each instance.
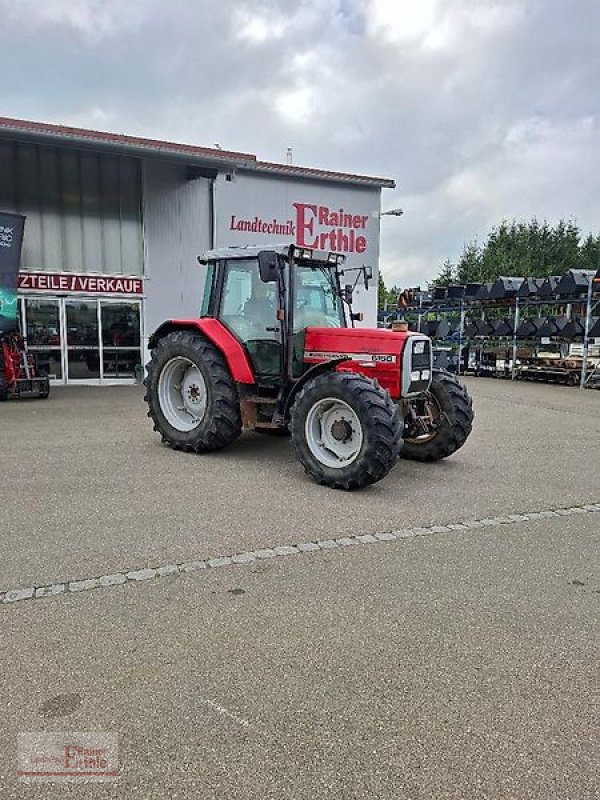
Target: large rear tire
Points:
(450, 403)
(192, 398)
(346, 430)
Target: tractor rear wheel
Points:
(346, 430)
(191, 395)
(447, 410)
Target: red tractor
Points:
(276, 350)
(18, 374)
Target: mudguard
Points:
(220, 336)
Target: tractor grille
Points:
(417, 362)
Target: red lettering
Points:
(232, 224)
(70, 757)
(323, 215)
(304, 224)
(361, 244)
(356, 220)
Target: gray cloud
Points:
(480, 110)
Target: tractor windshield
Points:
(317, 300)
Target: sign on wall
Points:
(80, 284)
(341, 218)
(315, 226)
(11, 242)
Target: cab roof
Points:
(252, 251)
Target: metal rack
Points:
(546, 294)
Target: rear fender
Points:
(232, 351)
(317, 369)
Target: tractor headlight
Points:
(419, 347)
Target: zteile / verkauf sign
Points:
(11, 243)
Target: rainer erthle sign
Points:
(315, 226)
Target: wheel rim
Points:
(333, 433)
(182, 394)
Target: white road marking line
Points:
(226, 713)
(237, 560)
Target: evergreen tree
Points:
(447, 274)
(524, 249)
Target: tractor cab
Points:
(268, 297)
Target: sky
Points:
(479, 109)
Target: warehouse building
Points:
(114, 225)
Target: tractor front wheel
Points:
(439, 421)
(346, 430)
(191, 396)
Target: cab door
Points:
(248, 308)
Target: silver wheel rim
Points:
(334, 433)
(182, 394)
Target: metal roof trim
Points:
(316, 174)
(128, 144)
(140, 146)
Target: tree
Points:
(524, 249)
(469, 266)
(447, 274)
(382, 293)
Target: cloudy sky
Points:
(480, 109)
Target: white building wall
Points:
(260, 209)
(177, 228)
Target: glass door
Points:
(82, 324)
(42, 331)
(121, 336)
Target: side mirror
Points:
(268, 266)
(368, 276)
(348, 292)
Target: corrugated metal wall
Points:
(177, 228)
(83, 209)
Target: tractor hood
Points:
(376, 352)
(333, 342)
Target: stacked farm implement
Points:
(543, 329)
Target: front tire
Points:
(450, 402)
(192, 398)
(346, 430)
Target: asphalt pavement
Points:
(423, 662)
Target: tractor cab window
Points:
(317, 303)
(249, 310)
(249, 306)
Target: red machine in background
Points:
(18, 374)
